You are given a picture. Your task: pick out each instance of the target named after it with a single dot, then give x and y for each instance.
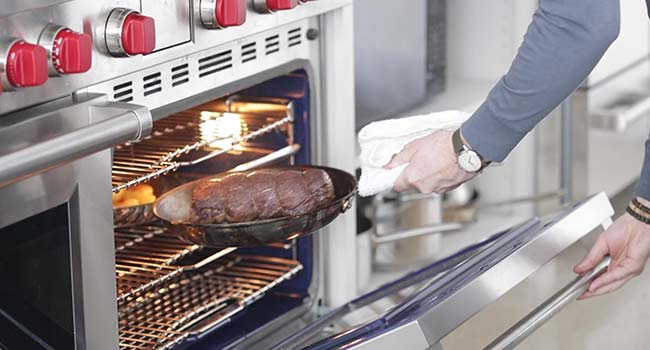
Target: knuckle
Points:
(412, 180)
(424, 188)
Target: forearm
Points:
(562, 45)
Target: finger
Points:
(617, 273)
(594, 256)
(402, 157)
(610, 288)
(402, 184)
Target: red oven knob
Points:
(223, 13)
(129, 33)
(22, 64)
(69, 52)
(265, 6)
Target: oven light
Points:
(224, 127)
(257, 107)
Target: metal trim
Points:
(208, 15)
(261, 6)
(549, 308)
(5, 46)
(46, 40)
(408, 336)
(113, 31)
(129, 122)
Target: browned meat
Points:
(208, 203)
(261, 194)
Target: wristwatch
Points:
(468, 159)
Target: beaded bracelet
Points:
(637, 213)
(640, 206)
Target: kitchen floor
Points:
(617, 321)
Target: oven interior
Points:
(171, 294)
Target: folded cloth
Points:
(381, 140)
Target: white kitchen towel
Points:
(381, 140)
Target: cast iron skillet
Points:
(174, 207)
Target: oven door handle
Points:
(124, 122)
(544, 312)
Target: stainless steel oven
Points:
(169, 91)
(57, 263)
(144, 104)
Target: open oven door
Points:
(456, 288)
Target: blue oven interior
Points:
(291, 293)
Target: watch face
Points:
(469, 161)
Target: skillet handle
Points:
(347, 204)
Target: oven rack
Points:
(175, 138)
(148, 256)
(198, 301)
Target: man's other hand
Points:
(627, 241)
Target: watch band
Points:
(457, 142)
(460, 146)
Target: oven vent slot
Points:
(215, 63)
(272, 44)
(151, 84)
(295, 37)
(180, 74)
(248, 52)
(123, 92)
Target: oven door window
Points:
(36, 283)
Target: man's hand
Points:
(433, 165)
(627, 241)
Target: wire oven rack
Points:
(194, 303)
(163, 299)
(148, 256)
(176, 138)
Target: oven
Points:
(175, 90)
(108, 104)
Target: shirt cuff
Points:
(489, 137)
(643, 188)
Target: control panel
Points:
(49, 48)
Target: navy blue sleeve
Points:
(643, 187)
(562, 45)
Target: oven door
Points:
(57, 267)
(456, 288)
